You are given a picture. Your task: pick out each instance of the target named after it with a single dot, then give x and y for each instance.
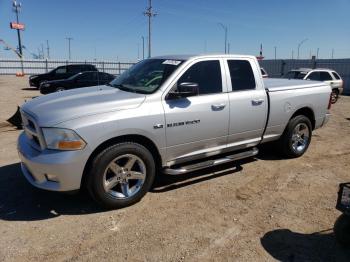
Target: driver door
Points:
(198, 125)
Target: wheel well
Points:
(146, 142)
(306, 111)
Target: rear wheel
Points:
(334, 96)
(121, 175)
(297, 137)
(60, 89)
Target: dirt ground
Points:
(260, 209)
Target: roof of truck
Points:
(189, 56)
(311, 69)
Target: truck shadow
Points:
(285, 245)
(165, 183)
(19, 201)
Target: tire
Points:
(335, 96)
(342, 230)
(121, 175)
(60, 89)
(290, 144)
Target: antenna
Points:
(150, 14)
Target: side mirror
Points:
(185, 89)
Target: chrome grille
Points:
(32, 131)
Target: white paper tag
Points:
(171, 62)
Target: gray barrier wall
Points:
(36, 66)
(277, 68)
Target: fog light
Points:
(343, 203)
(51, 178)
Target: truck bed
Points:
(280, 84)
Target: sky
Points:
(112, 29)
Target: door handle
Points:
(217, 107)
(257, 102)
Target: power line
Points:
(149, 12)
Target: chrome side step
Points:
(209, 163)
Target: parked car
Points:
(84, 79)
(264, 73)
(328, 76)
(61, 72)
(204, 111)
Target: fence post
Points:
(283, 64)
(313, 62)
(118, 68)
(103, 66)
(46, 66)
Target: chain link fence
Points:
(36, 66)
(277, 68)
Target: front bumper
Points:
(50, 169)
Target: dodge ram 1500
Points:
(170, 114)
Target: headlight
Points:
(62, 139)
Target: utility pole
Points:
(228, 48)
(299, 45)
(42, 51)
(48, 49)
(225, 29)
(143, 47)
(332, 53)
(150, 14)
(292, 53)
(17, 8)
(69, 53)
(275, 52)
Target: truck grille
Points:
(32, 131)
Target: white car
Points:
(328, 76)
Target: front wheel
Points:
(296, 138)
(121, 175)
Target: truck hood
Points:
(52, 109)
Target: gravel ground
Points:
(260, 209)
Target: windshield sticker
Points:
(171, 62)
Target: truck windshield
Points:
(146, 76)
(295, 75)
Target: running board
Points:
(209, 163)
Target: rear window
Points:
(242, 76)
(336, 76)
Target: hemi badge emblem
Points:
(158, 126)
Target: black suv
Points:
(83, 79)
(61, 72)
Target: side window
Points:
(85, 77)
(314, 76)
(242, 76)
(325, 76)
(207, 74)
(336, 76)
(74, 69)
(61, 70)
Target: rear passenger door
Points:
(248, 103)
(198, 124)
(86, 79)
(327, 78)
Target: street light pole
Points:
(16, 8)
(225, 29)
(275, 52)
(299, 45)
(143, 47)
(69, 53)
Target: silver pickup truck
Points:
(170, 114)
